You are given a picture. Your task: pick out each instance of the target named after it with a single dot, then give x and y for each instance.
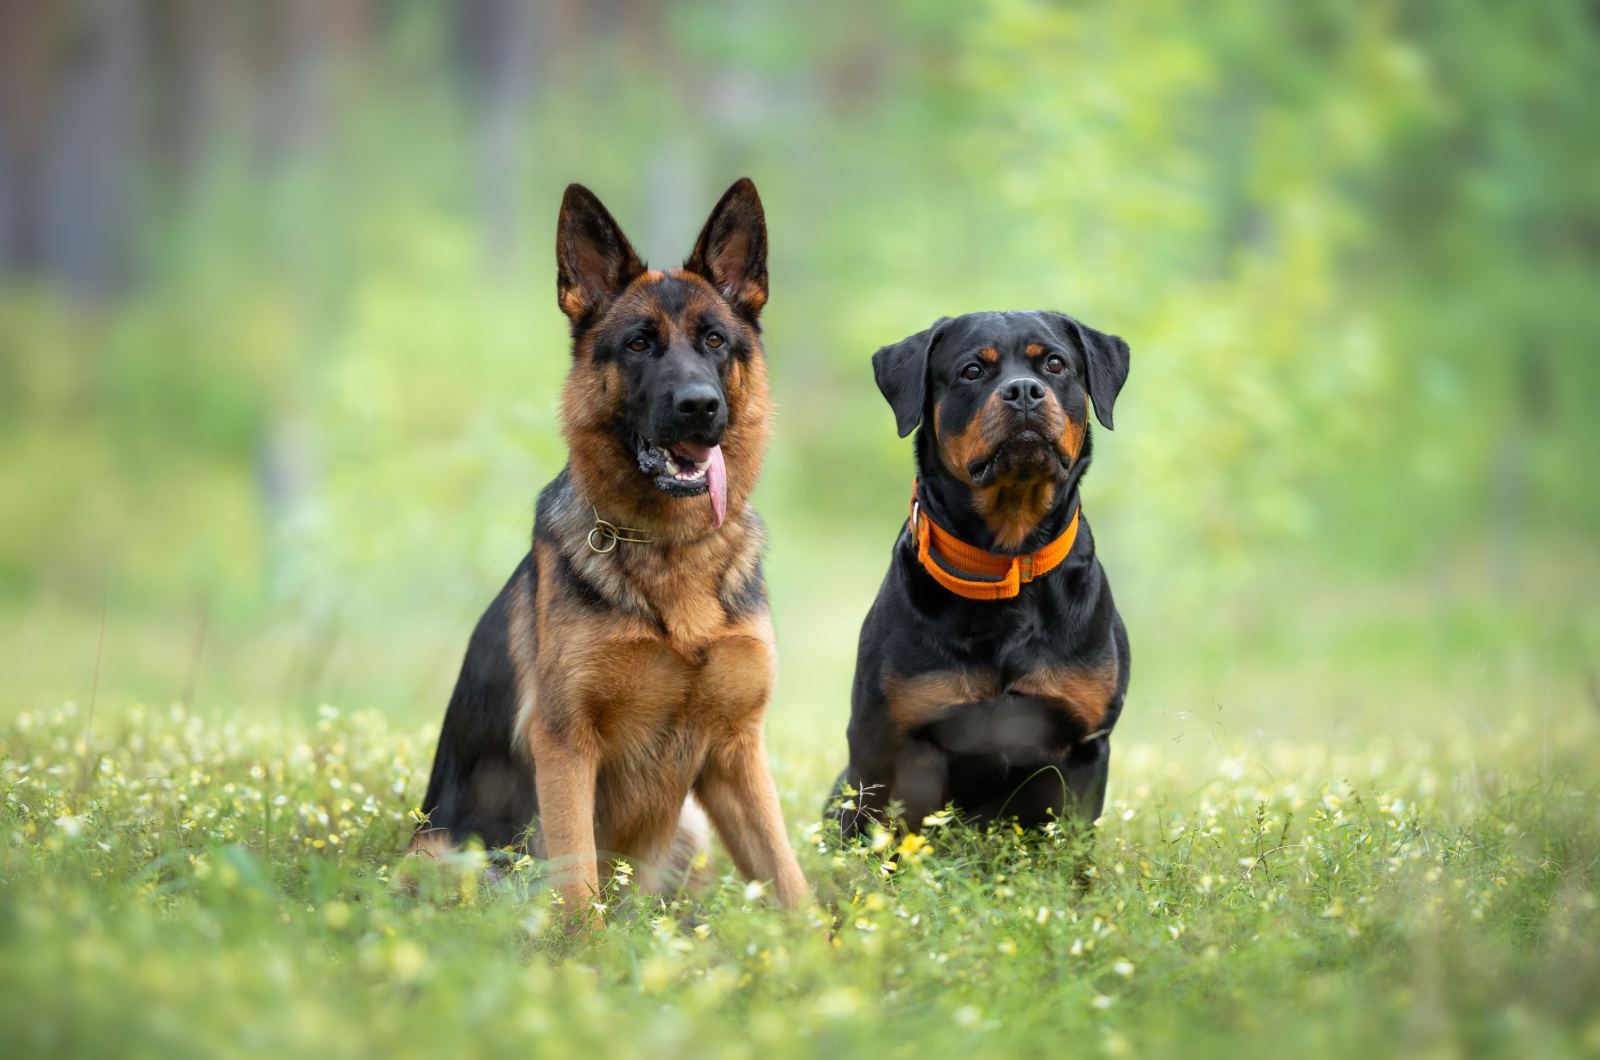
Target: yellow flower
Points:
(656, 974)
(408, 959)
(913, 845)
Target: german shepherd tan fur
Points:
(607, 696)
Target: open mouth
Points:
(1026, 454)
(687, 469)
(680, 465)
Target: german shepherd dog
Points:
(619, 681)
(993, 665)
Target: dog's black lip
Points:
(651, 464)
(979, 470)
(982, 471)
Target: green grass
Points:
(207, 887)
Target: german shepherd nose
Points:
(1022, 393)
(697, 404)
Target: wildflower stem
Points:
(94, 688)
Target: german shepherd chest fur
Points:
(635, 651)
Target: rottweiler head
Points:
(1006, 396)
(666, 401)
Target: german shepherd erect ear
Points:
(902, 374)
(731, 253)
(1105, 356)
(594, 261)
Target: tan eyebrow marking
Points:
(990, 354)
(1035, 349)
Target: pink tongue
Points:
(717, 480)
(716, 477)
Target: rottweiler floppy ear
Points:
(594, 262)
(731, 252)
(902, 374)
(1106, 357)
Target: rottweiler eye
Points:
(715, 341)
(1055, 364)
(639, 345)
(972, 371)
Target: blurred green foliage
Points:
(1353, 246)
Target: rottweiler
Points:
(618, 683)
(993, 665)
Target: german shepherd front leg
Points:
(738, 794)
(565, 773)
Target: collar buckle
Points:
(610, 533)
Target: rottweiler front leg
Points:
(887, 765)
(1087, 768)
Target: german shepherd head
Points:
(665, 407)
(1006, 396)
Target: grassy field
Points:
(215, 886)
(271, 457)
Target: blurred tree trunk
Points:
(31, 60)
(69, 102)
(318, 38)
(495, 49)
(1509, 470)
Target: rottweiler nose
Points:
(697, 404)
(1022, 393)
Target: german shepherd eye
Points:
(639, 345)
(972, 371)
(715, 341)
(1055, 364)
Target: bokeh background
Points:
(280, 353)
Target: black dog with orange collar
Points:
(993, 664)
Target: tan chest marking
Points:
(623, 686)
(1084, 694)
(925, 698)
(616, 680)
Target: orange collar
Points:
(976, 574)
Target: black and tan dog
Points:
(993, 664)
(621, 677)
